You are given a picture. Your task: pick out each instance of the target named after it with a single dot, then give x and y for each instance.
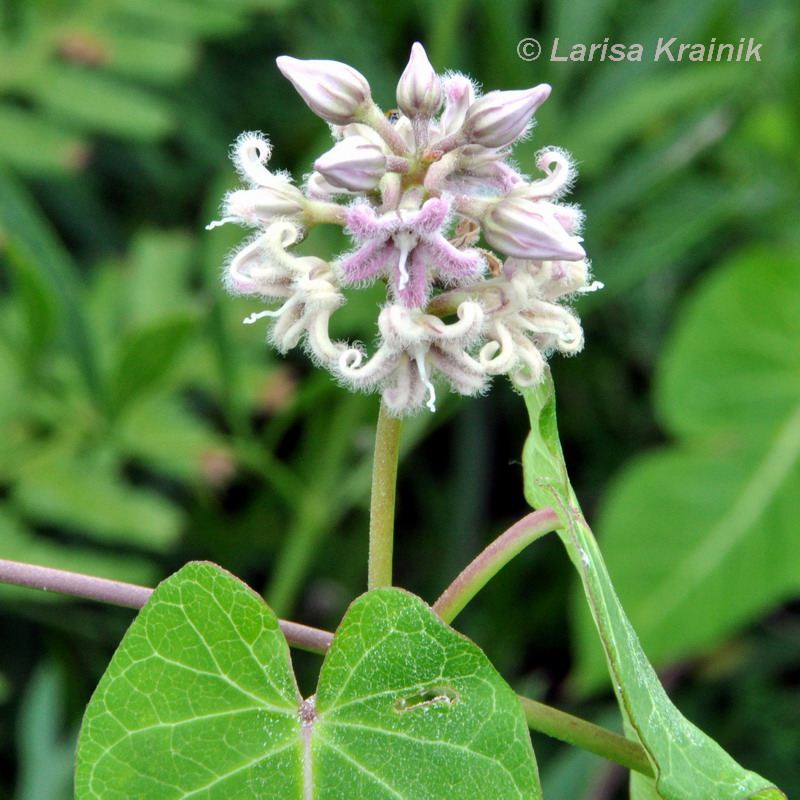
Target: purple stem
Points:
(488, 563)
(130, 596)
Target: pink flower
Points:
(409, 248)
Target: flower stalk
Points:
(382, 499)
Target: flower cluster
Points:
(415, 189)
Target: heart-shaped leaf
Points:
(200, 702)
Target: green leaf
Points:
(37, 301)
(545, 472)
(102, 103)
(710, 522)
(36, 146)
(41, 740)
(87, 497)
(169, 437)
(23, 225)
(200, 701)
(146, 355)
(157, 275)
(408, 708)
(731, 366)
(688, 764)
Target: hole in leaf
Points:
(432, 696)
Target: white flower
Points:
(414, 348)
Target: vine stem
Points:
(130, 595)
(491, 560)
(586, 735)
(540, 717)
(382, 499)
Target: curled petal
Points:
(250, 272)
(470, 321)
(353, 369)
(319, 339)
(559, 171)
(531, 373)
(290, 327)
(250, 152)
(499, 354)
(572, 341)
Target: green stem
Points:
(489, 562)
(381, 512)
(586, 735)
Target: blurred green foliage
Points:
(141, 425)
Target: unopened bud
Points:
(354, 164)
(419, 91)
(526, 229)
(332, 90)
(460, 93)
(499, 118)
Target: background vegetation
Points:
(142, 426)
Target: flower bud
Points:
(460, 94)
(257, 206)
(332, 90)
(523, 228)
(354, 164)
(499, 118)
(419, 91)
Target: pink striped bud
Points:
(354, 164)
(460, 94)
(419, 91)
(332, 90)
(523, 228)
(498, 118)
